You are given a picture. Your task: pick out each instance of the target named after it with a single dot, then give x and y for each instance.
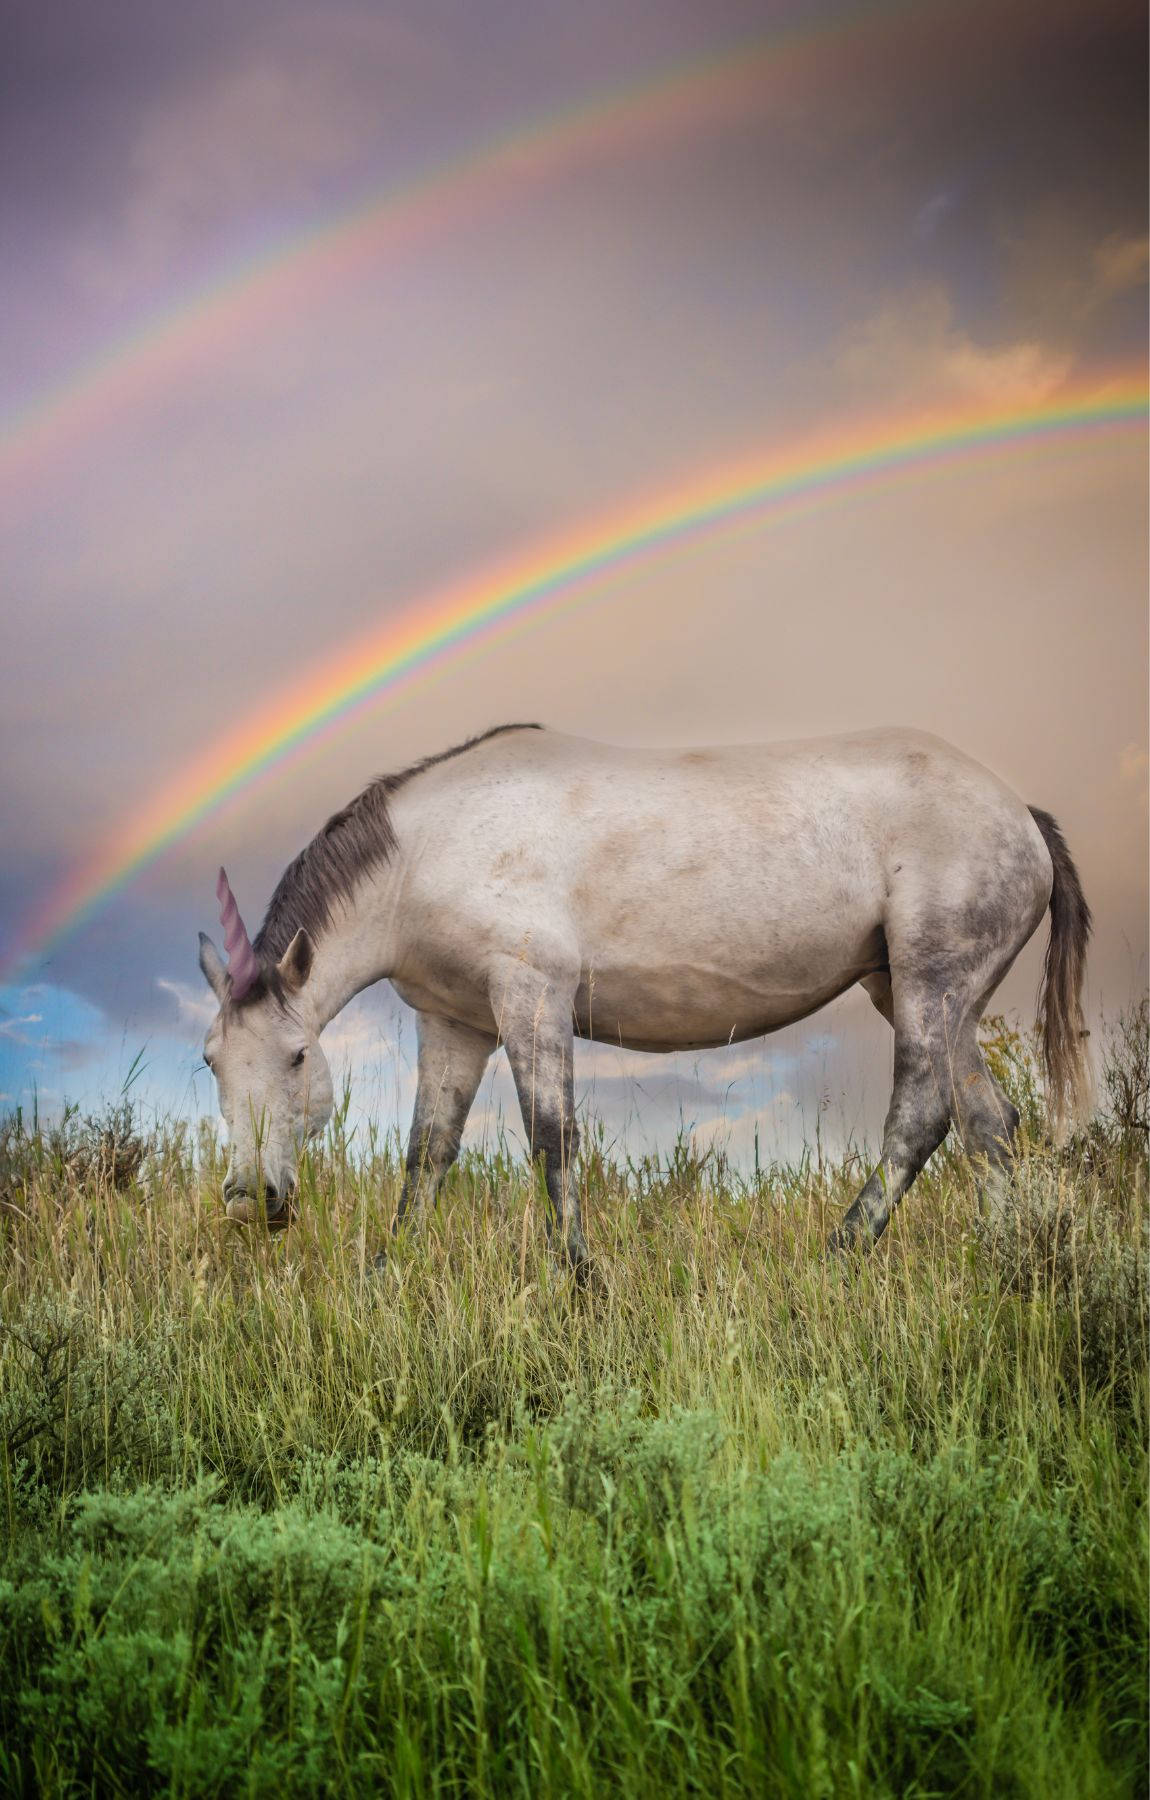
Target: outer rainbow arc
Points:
(473, 611)
(327, 254)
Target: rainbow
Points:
(305, 269)
(452, 623)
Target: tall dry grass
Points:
(737, 1519)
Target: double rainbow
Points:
(445, 626)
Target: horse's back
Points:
(539, 805)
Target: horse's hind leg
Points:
(917, 1119)
(988, 1121)
(986, 1117)
(944, 966)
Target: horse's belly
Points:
(692, 1004)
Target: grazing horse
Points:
(526, 887)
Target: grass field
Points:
(735, 1521)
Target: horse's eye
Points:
(298, 1058)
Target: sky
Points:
(235, 435)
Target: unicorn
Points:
(526, 888)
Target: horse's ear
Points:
(295, 963)
(212, 964)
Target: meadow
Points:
(734, 1520)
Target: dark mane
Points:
(352, 842)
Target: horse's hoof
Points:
(565, 1267)
(844, 1250)
(589, 1279)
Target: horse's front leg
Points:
(451, 1062)
(533, 1011)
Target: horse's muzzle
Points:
(270, 1208)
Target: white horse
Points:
(526, 887)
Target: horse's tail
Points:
(1060, 1019)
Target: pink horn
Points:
(243, 963)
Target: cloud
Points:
(11, 1028)
(1064, 281)
(59, 1015)
(772, 1130)
(195, 1007)
(726, 1081)
(912, 349)
(364, 1033)
(51, 1029)
(931, 215)
(1119, 266)
(375, 1026)
(257, 138)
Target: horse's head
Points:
(273, 1078)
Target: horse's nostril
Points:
(270, 1192)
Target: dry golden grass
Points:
(736, 1518)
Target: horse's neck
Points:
(357, 947)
